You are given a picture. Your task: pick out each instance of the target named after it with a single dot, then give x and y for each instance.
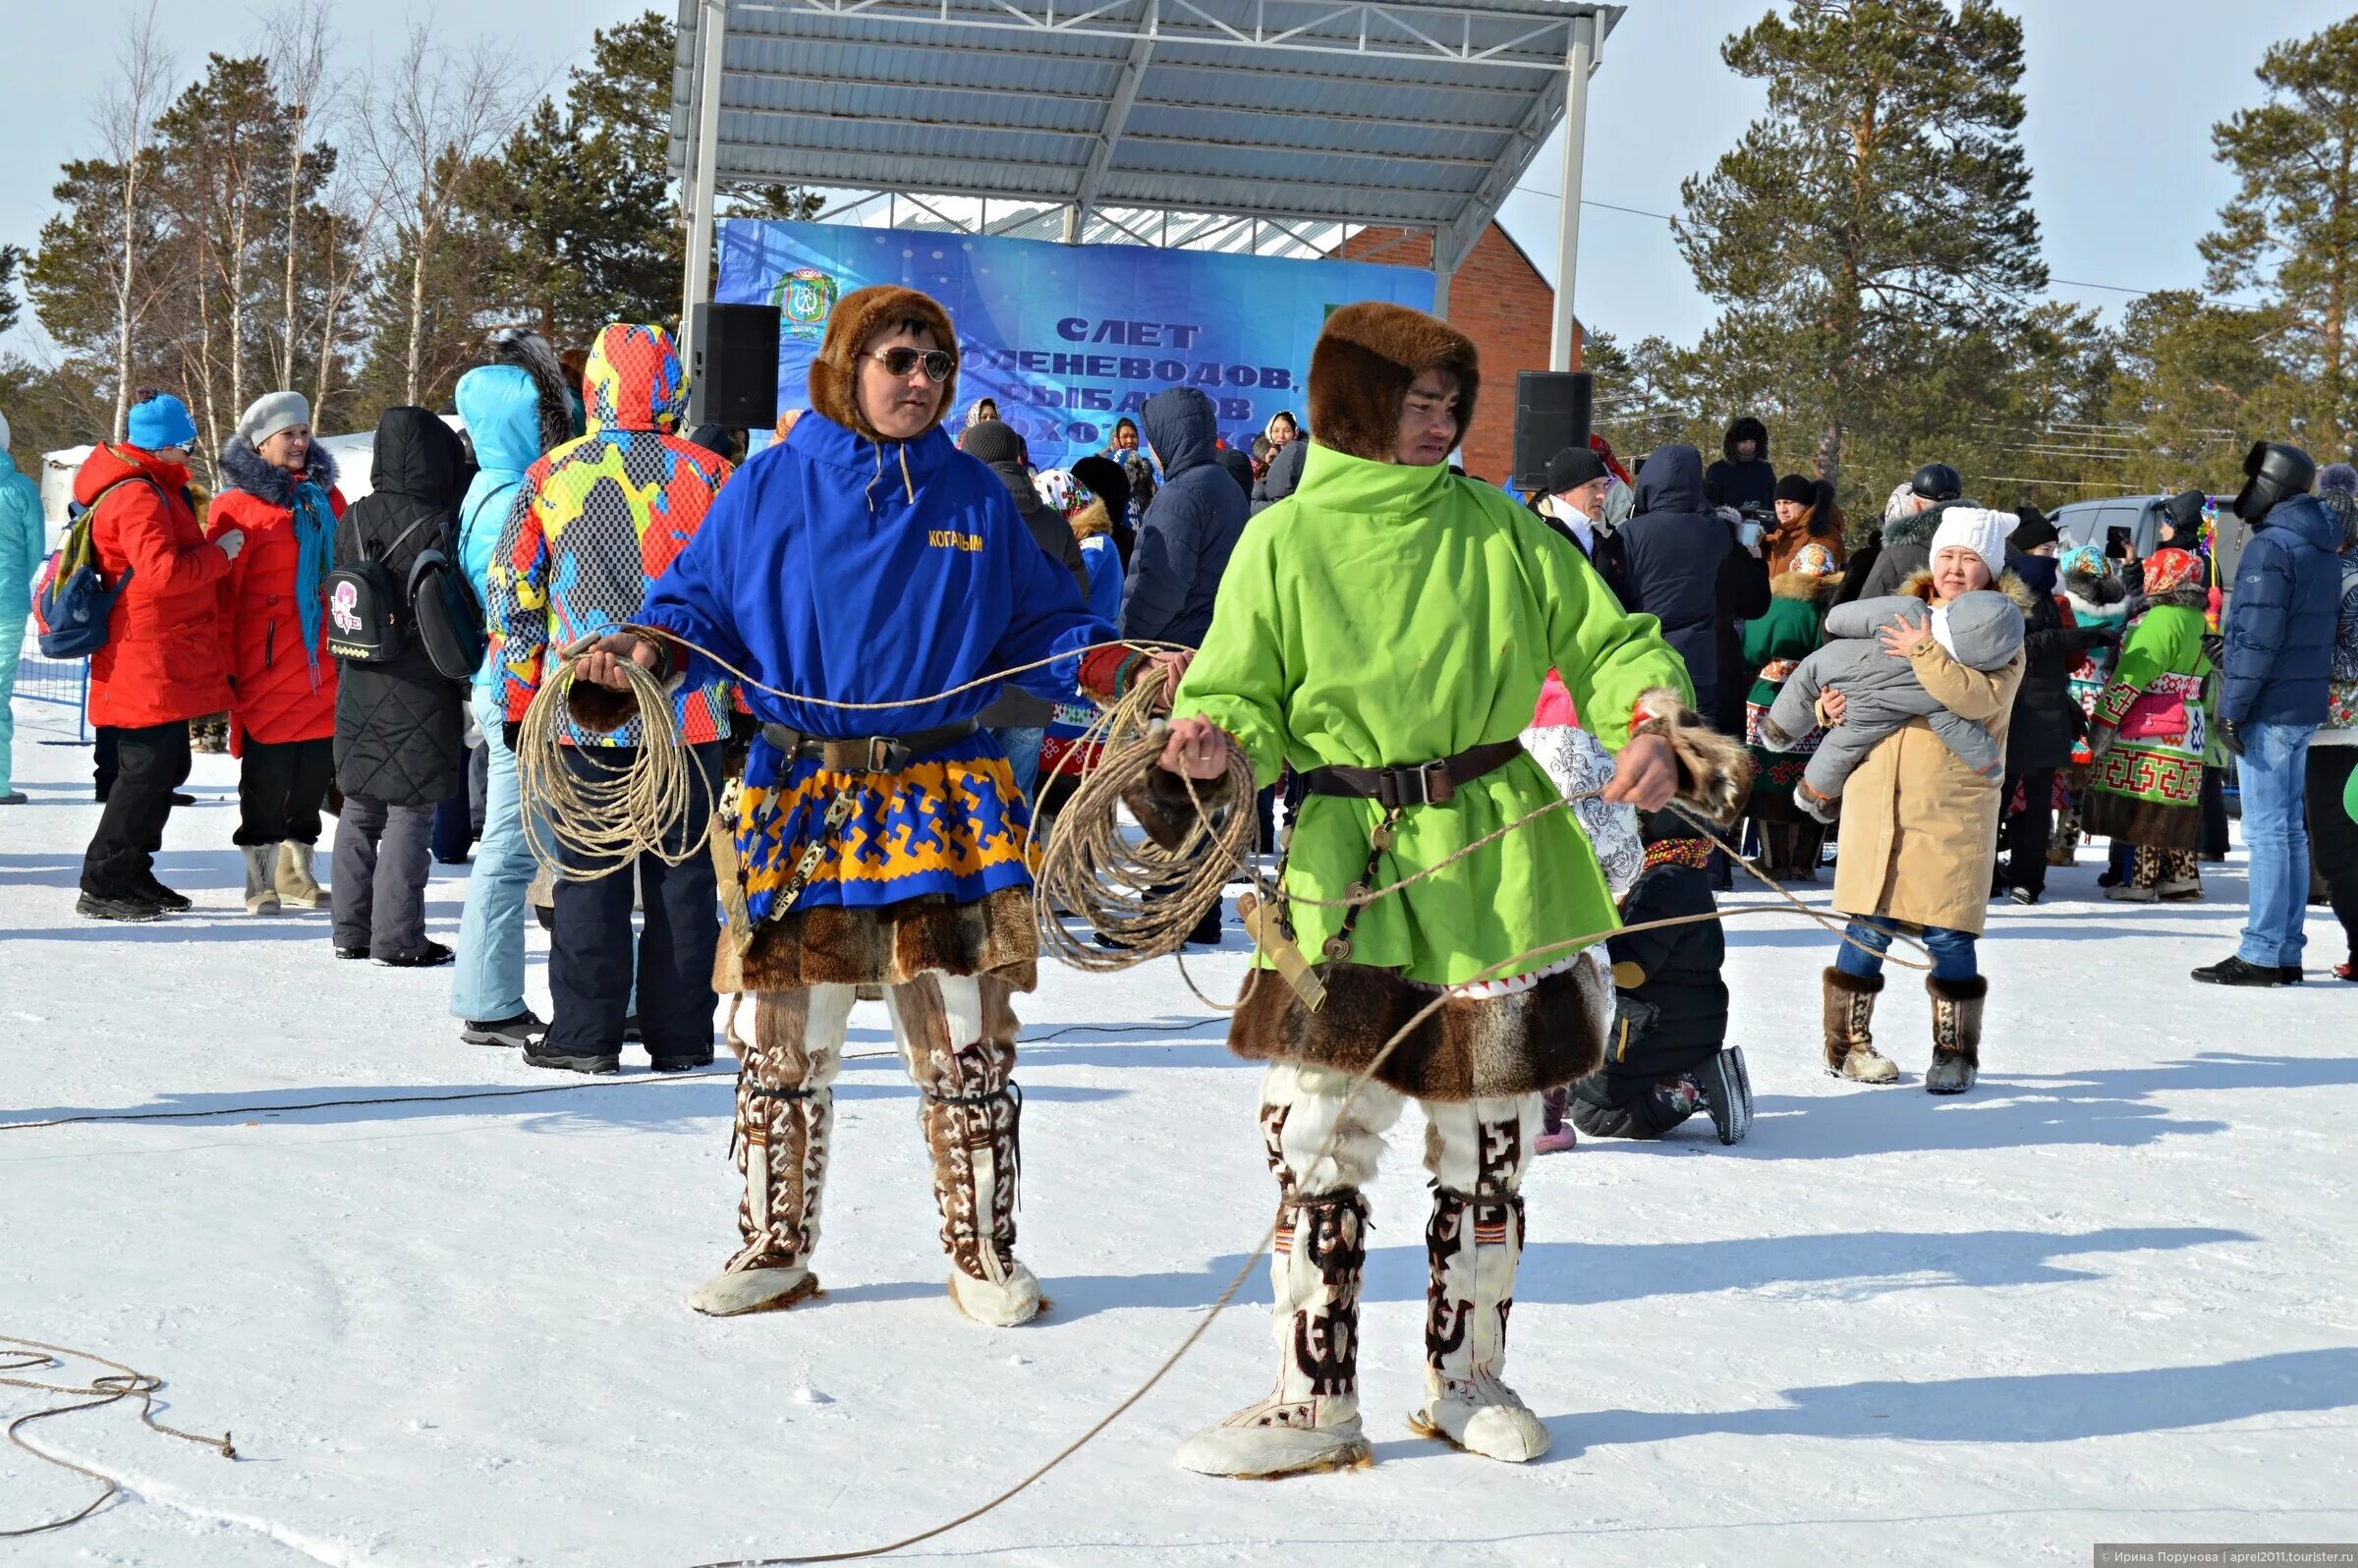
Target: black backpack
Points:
(366, 608)
(446, 613)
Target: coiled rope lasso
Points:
(124, 1383)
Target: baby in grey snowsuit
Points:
(1982, 630)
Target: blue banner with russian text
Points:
(1066, 339)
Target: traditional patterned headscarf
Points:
(2087, 561)
(2169, 569)
(1814, 560)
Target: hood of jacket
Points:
(1367, 356)
(2305, 517)
(1091, 521)
(1920, 529)
(507, 416)
(2098, 612)
(110, 461)
(632, 381)
(1672, 482)
(835, 371)
(419, 457)
(245, 470)
(1178, 423)
(1746, 428)
(2185, 596)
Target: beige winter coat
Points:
(1918, 827)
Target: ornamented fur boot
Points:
(973, 1120)
(785, 1121)
(261, 864)
(1849, 1043)
(1310, 1420)
(297, 887)
(1473, 1246)
(1956, 1035)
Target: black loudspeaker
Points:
(733, 366)
(1553, 411)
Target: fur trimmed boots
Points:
(262, 869)
(297, 887)
(1956, 1035)
(1474, 1246)
(1849, 1041)
(785, 1125)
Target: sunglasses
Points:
(938, 362)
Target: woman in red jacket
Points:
(161, 665)
(281, 495)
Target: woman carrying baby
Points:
(1920, 826)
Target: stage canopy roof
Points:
(1304, 113)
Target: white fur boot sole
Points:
(733, 1294)
(1002, 1306)
(1268, 1453)
(1505, 1432)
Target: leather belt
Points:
(1424, 784)
(866, 754)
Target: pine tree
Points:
(11, 256)
(2291, 230)
(1875, 216)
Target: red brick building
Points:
(1499, 300)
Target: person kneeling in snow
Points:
(1662, 1059)
(1386, 630)
(866, 560)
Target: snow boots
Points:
(1956, 1035)
(1726, 1087)
(1849, 1043)
(785, 1119)
(262, 887)
(958, 1038)
(297, 887)
(1473, 1247)
(1310, 1420)
(1323, 1156)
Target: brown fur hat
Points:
(1361, 369)
(835, 375)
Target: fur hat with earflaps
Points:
(835, 375)
(1361, 369)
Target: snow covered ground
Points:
(2105, 1297)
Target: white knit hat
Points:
(1976, 529)
(270, 414)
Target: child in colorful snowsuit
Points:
(1981, 631)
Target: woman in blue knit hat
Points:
(162, 663)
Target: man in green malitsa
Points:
(1384, 632)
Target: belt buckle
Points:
(880, 752)
(1432, 782)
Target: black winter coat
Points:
(1907, 550)
(1672, 1017)
(1743, 483)
(2046, 720)
(1675, 558)
(1284, 477)
(1013, 708)
(399, 738)
(1189, 529)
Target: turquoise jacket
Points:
(24, 539)
(502, 411)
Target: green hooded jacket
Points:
(1383, 616)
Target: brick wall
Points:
(1499, 299)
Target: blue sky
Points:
(2121, 95)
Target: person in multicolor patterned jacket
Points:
(866, 560)
(594, 524)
